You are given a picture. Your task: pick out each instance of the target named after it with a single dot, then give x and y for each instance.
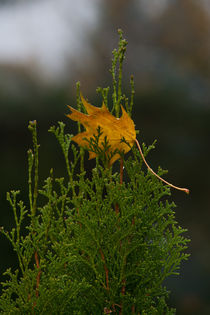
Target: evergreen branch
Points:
(30, 167)
(32, 128)
(121, 57)
(64, 141)
(114, 81)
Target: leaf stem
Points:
(163, 180)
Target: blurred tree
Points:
(184, 29)
(172, 42)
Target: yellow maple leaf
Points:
(114, 129)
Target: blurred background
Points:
(48, 45)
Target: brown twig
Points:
(133, 309)
(37, 280)
(105, 268)
(123, 293)
(38, 275)
(117, 210)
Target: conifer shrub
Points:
(99, 243)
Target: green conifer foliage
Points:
(93, 245)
